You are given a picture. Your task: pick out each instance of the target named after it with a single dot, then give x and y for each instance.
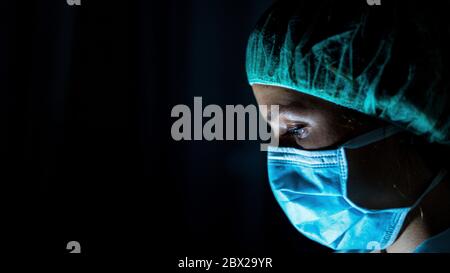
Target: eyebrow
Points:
(286, 108)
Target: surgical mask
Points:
(311, 188)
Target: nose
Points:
(276, 120)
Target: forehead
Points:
(268, 95)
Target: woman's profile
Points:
(363, 93)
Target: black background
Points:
(86, 95)
(85, 98)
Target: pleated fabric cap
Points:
(390, 61)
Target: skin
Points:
(391, 173)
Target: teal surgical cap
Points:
(390, 61)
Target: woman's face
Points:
(385, 174)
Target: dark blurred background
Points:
(86, 94)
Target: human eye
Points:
(299, 131)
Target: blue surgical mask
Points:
(311, 188)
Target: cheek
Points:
(319, 138)
(373, 172)
(326, 130)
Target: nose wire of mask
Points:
(310, 188)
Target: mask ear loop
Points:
(372, 137)
(439, 177)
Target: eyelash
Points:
(299, 132)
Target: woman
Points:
(363, 123)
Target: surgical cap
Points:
(389, 61)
